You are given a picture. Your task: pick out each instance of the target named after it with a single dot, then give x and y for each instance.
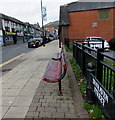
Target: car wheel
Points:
(38, 44)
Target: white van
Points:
(96, 42)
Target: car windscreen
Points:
(96, 39)
(38, 39)
(31, 40)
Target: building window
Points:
(6, 23)
(7, 26)
(12, 25)
(94, 24)
(104, 14)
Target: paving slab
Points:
(50, 104)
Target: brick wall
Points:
(86, 23)
(50, 29)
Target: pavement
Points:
(25, 95)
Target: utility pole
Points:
(42, 20)
(43, 14)
(42, 25)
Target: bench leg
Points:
(60, 92)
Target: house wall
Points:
(81, 25)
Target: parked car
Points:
(39, 39)
(96, 42)
(33, 43)
(50, 38)
(37, 35)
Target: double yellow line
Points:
(1, 65)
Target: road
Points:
(11, 51)
(10, 55)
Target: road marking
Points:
(1, 65)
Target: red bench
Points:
(56, 70)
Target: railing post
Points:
(74, 49)
(100, 58)
(83, 58)
(89, 83)
(112, 107)
(103, 44)
(88, 43)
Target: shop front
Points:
(9, 38)
(20, 37)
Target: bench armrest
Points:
(56, 56)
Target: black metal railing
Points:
(100, 84)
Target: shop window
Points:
(7, 29)
(12, 25)
(13, 30)
(17, 28)
(6, 23)
(104, 14)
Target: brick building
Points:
(81, 19)
(50, 29)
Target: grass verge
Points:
(94, 111)
(70, 48)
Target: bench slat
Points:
(56, 69)
(53, 71)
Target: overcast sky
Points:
(30, 10)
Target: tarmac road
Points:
(11, 51)
(10, 54)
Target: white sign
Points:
(100, 93)
(94, 24)
(44, 14)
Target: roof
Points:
(83, 6)
(10, 18)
